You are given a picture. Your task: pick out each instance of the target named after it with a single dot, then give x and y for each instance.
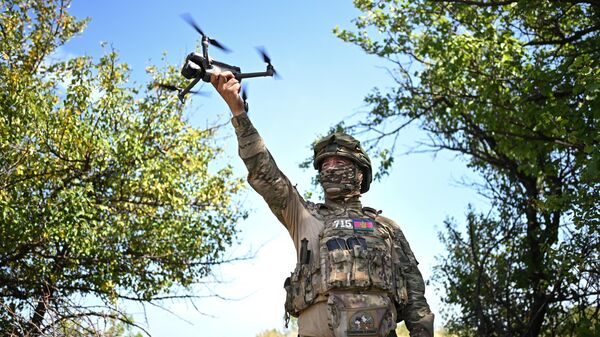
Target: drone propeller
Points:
(244, 92)
(167, 86)
(267, 59)
(188, 18)
(245, 97)
(171, 87)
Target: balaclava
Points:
(340, 180)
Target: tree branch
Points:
(566, 40)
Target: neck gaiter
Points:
(340, 181)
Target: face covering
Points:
(340, 181)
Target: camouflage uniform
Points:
(323, 308)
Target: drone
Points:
(200, 66)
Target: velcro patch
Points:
(342, 223)
(362, 225)
(362, 323)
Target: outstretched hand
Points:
(229, 88)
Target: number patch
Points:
(343, 224)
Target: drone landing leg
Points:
(187, 89)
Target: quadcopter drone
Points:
(199, 67)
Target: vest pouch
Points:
(338, 268)
(297, 290)
(365, 315)
(380, 270)
(300, 291)
(289, 298)
(309, 289)
(360, 268)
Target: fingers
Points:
(225, 83)
(227, 74)
(214, 79)
(229, 88)
(229, 83)
(217, 78)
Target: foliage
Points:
(272, 333)
(99, 327)
(402, 331)
(104, 189)
(291, 330)
(514, 87)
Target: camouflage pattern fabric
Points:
(341, 180)
(344, 145)
(416, 313)
(305, 220)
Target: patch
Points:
(342, 223)
(361, 323)
(365, 225)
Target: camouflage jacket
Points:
(305, 220)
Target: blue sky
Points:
(324, 81)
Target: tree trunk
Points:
(35, 323)
(535, 262)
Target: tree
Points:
(105, 190)
(513, 86)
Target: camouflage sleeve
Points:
(416, 313)
(263, 174)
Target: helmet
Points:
(344, 145)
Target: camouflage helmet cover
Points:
(344, 145)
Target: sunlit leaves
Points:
(512, 86)
(104, 188)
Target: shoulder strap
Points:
(371, 212)
(374, 214)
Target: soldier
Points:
(356, 274)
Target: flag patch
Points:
(362, 225)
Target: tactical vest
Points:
(357, 255)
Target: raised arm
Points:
(263, 174)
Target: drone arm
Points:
(269, 72)
(240, 76)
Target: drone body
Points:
(199, 67)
